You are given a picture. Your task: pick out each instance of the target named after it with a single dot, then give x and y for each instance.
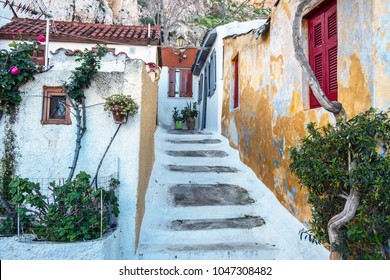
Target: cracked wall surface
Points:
(274, 94)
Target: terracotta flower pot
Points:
(120, 117)
(191, 123)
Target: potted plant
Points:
(177, 118)
(122, 106)
(190, 112)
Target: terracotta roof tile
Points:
(62, 31)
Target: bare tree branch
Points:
(352, 200)
(94, 181)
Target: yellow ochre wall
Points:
(146, 153)
(274, 95)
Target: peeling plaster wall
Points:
(381, 52)
(274, 109)
(214, 102)
(46, 151)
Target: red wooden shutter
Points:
(331, 52)
(172, 82)
(189, 83)
(185, 83)
(235, 101)
(323, 51)
(316, 53)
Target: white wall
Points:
(101, 249)
(46, 151)
(166, 104)
(214, 103)
(146, 53)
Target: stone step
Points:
(199, 153)
(213, 251)
(208, 195)
(210, 224)
(203, 141)
(201, 169)
(188, 132)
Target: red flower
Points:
(41, 39)
(14, 70)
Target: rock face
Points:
(95, 11)
(259, 3)
(178, 17)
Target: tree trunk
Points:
(7, 207)
(81, 128)
(337, 221)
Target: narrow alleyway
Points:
(204, 203)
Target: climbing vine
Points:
(80, 80)
(17, 67)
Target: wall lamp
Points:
(180, 41)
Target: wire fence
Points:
(93, 213)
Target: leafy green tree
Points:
(332, 161)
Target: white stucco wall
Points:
(214, 103)
(46, 151)
(101, 249)
(166, 104)
(146, 53)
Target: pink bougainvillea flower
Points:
(14, 70)
(41, 39)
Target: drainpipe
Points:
(48, 16)
(148, 42)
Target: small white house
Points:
(176, 87)
(45, 145)
(137, 42)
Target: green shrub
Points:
(321, 164)
(7, 226)
(71, 213)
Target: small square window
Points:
(55, 106)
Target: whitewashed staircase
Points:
(204, 203)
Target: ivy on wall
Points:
(16, 68)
